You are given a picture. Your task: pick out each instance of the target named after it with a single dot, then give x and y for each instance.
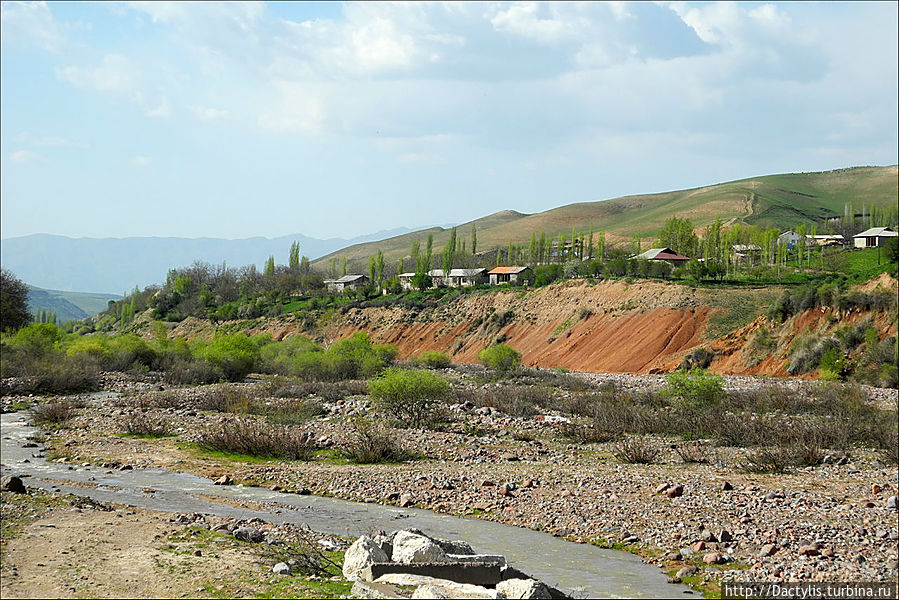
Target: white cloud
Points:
(30, 23)
(207, 113)
(141, 161)
(522, 19)
(162, 110)
(116, 75)
(23, 156)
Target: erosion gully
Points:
(579, 569)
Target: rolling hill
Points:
(68, 306)
(783, 201)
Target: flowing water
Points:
(580, 569)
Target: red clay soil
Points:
(610, 326)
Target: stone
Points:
(13, 484)
(484, 559)
(727, 486)
(431, 591)
(522, 588)
(458, 547)
(455, 589)
(361, 554)
(675, 491)
(414, 548)
(281, 569)
(876, 489)
(828, 553)
(808, 550)
(713, 558)
(891, 502)
(725, 536)
(698, 547)
(768, 550)
(707, 536)
(687, 571)
(223, 480)
(467, 573)
(662, 488)
(366, 589)
(406, 500)
(249, 534)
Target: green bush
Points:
(501, 358)
(410, 396)
(234, 355)
(696, 387)
(372, 442)
(432, 360)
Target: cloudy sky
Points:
(338, 119)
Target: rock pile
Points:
(386, 564)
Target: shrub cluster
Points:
(411, 397)
(253, 438)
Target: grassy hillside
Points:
(68, 306)
(781, 201)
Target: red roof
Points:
(669, 256)
(507, 270)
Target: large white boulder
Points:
(359, 555)
(523, 588)
(409, 548)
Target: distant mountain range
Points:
(117, 265)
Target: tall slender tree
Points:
(294, 259)
(474, 238)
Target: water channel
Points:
(580, 569)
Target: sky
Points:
(235, 120)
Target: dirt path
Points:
(72, 552)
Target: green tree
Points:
(449, 251)
(234, 355)
(269, 269)
(678, 235)
(294, 260)
(409, 395)
(474, 238)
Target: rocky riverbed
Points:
(703, 523)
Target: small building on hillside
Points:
(347, 282)
(406, 280)
(746, 252)
(874, 237)
(826, 240)
(513, 275)
(459, 277)
(663, 254)
(789, 238)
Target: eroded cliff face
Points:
(609, 326)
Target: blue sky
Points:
(338, 119)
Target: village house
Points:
(874, 237)
(663, 254)
(826, 240)
(460, 277)
(746, 252)
(347, 282)
(513, 275)
(789, 238)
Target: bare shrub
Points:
(517, 400)
(164, 399)
(290, 412)
(252, 438)
(53, 413)
(144, 425)
(769, 459)
(695, 452)
(520, 435)
(586, 434)
(372, 442)
(330, 391)
(637, 450)
(185, 372)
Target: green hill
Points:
(783, 201)
(68, 306)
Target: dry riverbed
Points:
(833, 522)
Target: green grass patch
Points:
(740, 308)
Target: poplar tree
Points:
(294, 260)
(269, 267)
(474, 238)
(343, 267)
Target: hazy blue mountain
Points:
(116, 265)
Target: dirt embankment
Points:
(610, 326)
